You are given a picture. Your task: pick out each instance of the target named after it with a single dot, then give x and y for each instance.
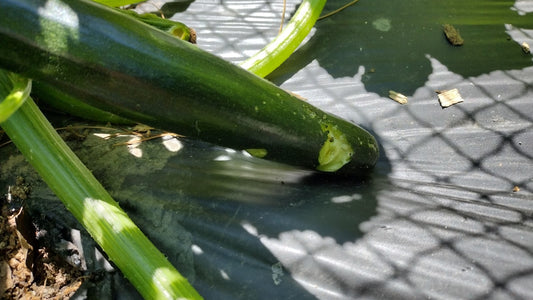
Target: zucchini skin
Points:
(58, 100)
(116, 63)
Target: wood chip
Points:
(449, 98)
(400, 98)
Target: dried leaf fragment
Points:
(6, 277)
(400, 98)
(141, 128)
(452, 35)
(525, 48)
(449, 97)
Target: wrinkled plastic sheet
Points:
(447, 212)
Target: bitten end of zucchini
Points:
(336, 150)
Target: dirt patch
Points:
(29, 270)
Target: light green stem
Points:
(124, 243)
(17, 90)
(276, 52)
(174, 28)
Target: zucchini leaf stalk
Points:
(15, 89)
(124, 243)
(276, 52)
(177, 29)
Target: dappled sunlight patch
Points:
(133, 147)
(522, 7)
(135, 138)
(333, 264)
(105, 211)
(227, 156)
(346, 198)
(171, 143)
(224, 274)
(522, 36)
(222, 158)
(101, 135)
(197, 250)
(251, 229)
(162, 279)
(58, 38)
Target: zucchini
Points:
(59, 100)
(116, 63)
(56, 99)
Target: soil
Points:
(29, 270)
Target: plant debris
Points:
(525, 48)
(20, 190)
(27, 270)
(452, 35)
(337, 10)
(449, 97)
(400, 98)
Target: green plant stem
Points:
(276, 52)
(138, 259)
(174, 28)
(17, 90)
(117, 3)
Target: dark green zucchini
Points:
(116, 63)
(59, 100)
(55, 99)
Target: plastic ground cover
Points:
(447, 212)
